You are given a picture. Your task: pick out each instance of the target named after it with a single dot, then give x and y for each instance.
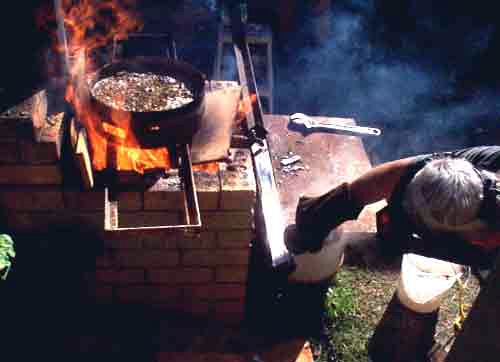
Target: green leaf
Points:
(6, 254)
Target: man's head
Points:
(446, 195)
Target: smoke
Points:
(410, 86)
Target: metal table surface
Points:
(328, 160)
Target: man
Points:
(442, 205)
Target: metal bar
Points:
(191, 205)
(246, 74)
(269, 214)
(61, 35)
(272, 220)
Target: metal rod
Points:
(246, 74)
(61, 36)
(269, 215)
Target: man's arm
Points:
(379, 182)
(317, 216)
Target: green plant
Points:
(7, 253)
(346, 332)
(340, 302)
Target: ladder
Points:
(260, 43)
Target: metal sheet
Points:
(327, 160)
(212, 141)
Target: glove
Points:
(315, 217)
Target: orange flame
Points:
(211, 167)
(91, 25)
(245, 106)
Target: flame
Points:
(212, 167)
(91, 25)
(245, 106)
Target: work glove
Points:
(315, 217)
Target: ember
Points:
(142, 92)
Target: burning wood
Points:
(142, 92)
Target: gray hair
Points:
(445, 195)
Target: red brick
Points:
(163, 200)
(237, 199)
(155, 244)
(84, 200)
(208, 200)
(208, 189)
(181, 276)
(33, 221)
(238, 188)
(18, 221)
(14, 127)
(148, 218)
(116, 243)
(231, 312)
(30, 175)
(104, 261)
(94, 200)
(160, 238)
(215, 257)
(229, 220)
(202, 240)
(234, 239)
(179, 240)
(167, 305)
(89, 220)
(38, 152)
(147, 258)
(131, 238)
(124, 276)
(215, 291)
(206, 240)
(147, 293)
(231, 274)
(196, 307)
(9, 152)
(28, 200)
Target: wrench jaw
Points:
(301, 119)
(299, 124)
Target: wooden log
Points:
(478, 340)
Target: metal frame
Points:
(170, 49)
(191, 204)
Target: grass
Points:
(356, 301)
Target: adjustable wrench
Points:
(310, 124)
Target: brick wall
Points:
(201, 273)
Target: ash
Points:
(142, 92)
